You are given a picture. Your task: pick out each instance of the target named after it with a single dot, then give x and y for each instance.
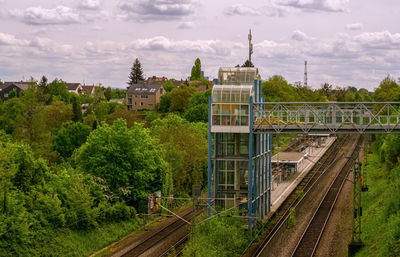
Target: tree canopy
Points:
(136, 73)
(128, 159)
(196, 70)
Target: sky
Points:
(345, 42)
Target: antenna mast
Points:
(250, 46)
(305, 74)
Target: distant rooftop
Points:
(21, 85)
(144, 88)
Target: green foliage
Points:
(381, 208)
(277, 89)
(128, 159)
(168, 86)
(58, 91)
(136, 73)
(165, 103)
(197, 109)
(221, 236)
(12, 94)
(118, 93)
(248, 63)
(69, 137)
(180, 98)
(77, 110)
(292, 218)
(184, 147)
(388, 90)
(196, 70)
(11, 113)
(38, 206)
(107, 93)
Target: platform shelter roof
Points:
(288, 157)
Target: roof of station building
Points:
(288, 157)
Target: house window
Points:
(129, 100)
(135, 96)
(144, 96)
(135, 103)
(161, 91)
(5, 95)
(141, 103)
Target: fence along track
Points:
(310, 239)
(307, 183)
(158, 237)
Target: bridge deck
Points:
(327, 117)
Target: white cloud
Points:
(144, 10)
(90, 4)
(300, 36)
(338, 59)
(186, 25)
(354, 26)
(42, 16)
(381, 40)
(241, 10)
(268, 9)
(316, 5)
(10, 40)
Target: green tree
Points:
(108, 93)
(248, 63)
(58, 91)
(277, 89)
(197, 109)
(196, 70)
(388, 90)
(165, 103)
(76, 109)
(128, 159)
(180, 98)
(136, 73)
(168, 86)
(70, 137)
(184, 147)
(12, 94)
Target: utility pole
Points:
(305, 74)
(250, 46)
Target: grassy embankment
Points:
(66, 242)
(381, 208)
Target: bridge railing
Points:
(327, 117)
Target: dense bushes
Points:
(221, 236)
(35, 201)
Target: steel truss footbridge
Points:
(326, 117)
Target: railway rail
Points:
(280, 216)
(159, 236)
(307, 245)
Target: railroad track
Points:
(177, 248)
(307, 245)
(159, 236)
(280, 216)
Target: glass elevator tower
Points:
(239, 165)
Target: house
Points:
(144, 96)
(8, 87)
(87, 89)
(74, 88)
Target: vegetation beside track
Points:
(381, 204)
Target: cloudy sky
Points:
(346, 42)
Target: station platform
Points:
(282, 189)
